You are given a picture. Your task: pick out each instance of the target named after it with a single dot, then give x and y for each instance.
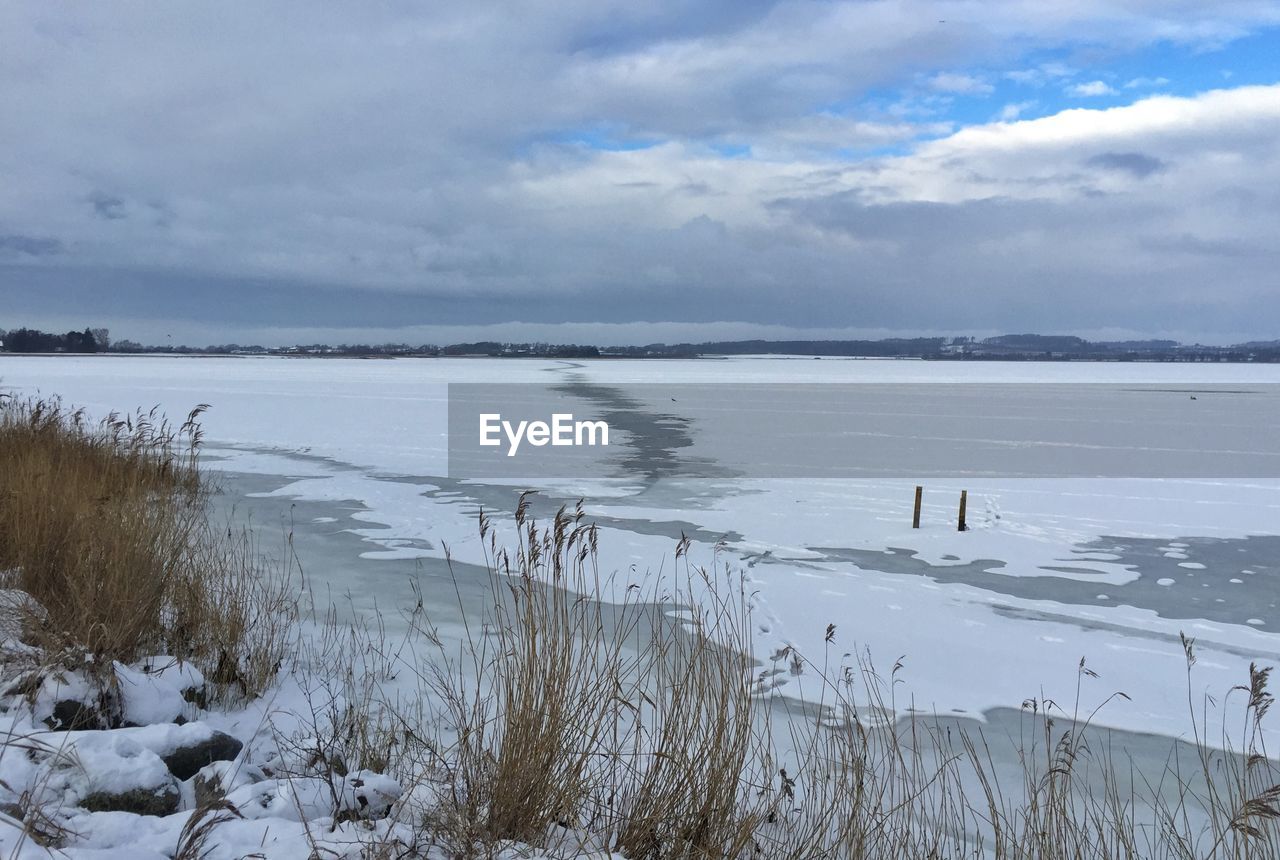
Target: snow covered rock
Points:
(217, 780)
(71, 715)
(136, 770)
(183, 749)
(109, 772)
(60, 691)
(301, 798)
(362, 795)
(78, 695)
(160, 755)
(70, 701)
(159, 690)
(161, 800)
(185, 762)
(366, 795)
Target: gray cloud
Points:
(107, 206)
(30, 246)
(469, 163)
(1134, 163)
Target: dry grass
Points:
(692, 784)
(871, 783)
(637, 726)
(37, 820)
(105, 525)
(198, 836)
(530, 705)
(561, 718)
(554, 673)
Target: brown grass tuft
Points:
(105, 524)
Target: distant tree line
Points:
(1010, 347)
(920, 347)
(34, 340)
(1007, 347)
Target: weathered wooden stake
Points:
(964, 503)
(915, 517)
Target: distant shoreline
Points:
(1211, 355)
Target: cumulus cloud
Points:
(1041, 74)
(1091, 89)
(1096, 215)
(952, 82)
(1014, 110)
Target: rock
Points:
(158, 690)
(74, 696)
(207, 790)
(185, 762)
(216, 781)
(365, 795)
(361, 796)
(198, 696)
(70, 715)
(109, 771)
(301, 798)
(140, 801)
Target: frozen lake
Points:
(1052, 569)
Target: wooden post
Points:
(964, 503)
(915, 517)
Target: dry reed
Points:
(105, 525)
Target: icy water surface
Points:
(1229, 580)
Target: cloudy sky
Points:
(616, 171)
